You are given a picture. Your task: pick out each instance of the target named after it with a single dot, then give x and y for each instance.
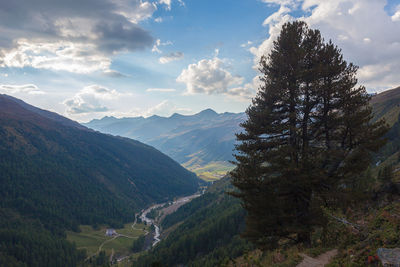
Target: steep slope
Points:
(44, 113)
(387, 105)
(56, 174)
(205, 139)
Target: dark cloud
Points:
(108, 26)
(115, 37)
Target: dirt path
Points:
(319, 261)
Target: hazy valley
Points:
(203, 142)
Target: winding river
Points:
(148, 221)
(167, 210)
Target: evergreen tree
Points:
(307, 139)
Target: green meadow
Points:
(94, 240)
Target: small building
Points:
(110, 232)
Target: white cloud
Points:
(181, 2)
(114, 74)
(367, 40)
(165, 108)
(210, 76)
(61, 55)
(167, 3)
(162, 90)
(396, 15)
(137, 12)
(171, 57)
(89, 100)
(248, 43)
(24, 88)
(277, 16)
(368, 36)
(157, 44)
(247, 91)
(275, 22)
(158, 19)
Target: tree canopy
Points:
(307, 140)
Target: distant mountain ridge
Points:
(56, 174)
(194, 141)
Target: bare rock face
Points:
(389, 257)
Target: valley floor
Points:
(118, 246)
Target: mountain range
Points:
(57, 174)
(202, 142)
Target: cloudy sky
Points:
(87, 59)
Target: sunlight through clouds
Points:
(24, 88)
(78, 37)
(89, 99)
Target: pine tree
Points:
(307, 139)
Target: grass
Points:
(121, 245)
(90, 239)
(212, 171)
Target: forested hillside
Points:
(387, 105)
(56, 175)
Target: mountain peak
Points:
(207, 112)
(109, 118)
(154, 117)
(176, 115)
